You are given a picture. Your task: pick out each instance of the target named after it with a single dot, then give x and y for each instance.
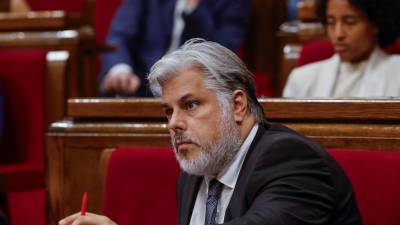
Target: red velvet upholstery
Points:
(105, 10)
(22, 150)
(375, 177)
(395, 48)
(315, 51)
(141, 183)
(263, 84)
(140, 186)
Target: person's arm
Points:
(88, 219)
(222, 21)
(290, 184)
(123, 34)
(120, 79)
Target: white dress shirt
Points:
(228, 178)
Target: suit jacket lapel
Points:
(235, 205)
(189, 197)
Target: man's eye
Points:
(191, 105)
(168, 112)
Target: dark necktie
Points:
(214, 192)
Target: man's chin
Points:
(187, 153)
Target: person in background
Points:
(237, 168)
(358, 30)
(144, 30)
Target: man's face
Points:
(204, 138)
(352, 35)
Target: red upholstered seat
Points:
(263, 83)
(375, 177)
(315, 51)
(141, 183)
(105, 10)
(22, 149)
(140, 186)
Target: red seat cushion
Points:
(395, 48)
(22, 176)
(263, 83)
(140, 186)
(375, 177)
(22, 76)
(104, 13)
(315, 51)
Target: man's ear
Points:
(239, 105)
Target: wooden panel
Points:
(124, 108)
(275, 109)
(39, 20)
(56, 86)
(332, 110)
(75, 145)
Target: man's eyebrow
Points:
(185, 97)
(181, 100)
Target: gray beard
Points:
(213, 155)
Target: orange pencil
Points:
(84, 202)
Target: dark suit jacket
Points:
(141, 30)
(285, 179)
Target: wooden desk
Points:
(39, 20)
(75, 145)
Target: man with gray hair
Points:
(237, 168)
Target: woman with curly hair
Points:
(358, 30)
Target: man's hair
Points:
(383, 14)
(224, 72)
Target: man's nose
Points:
(177, 121)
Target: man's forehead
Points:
(184, 81)
(180, 98)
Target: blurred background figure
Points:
(144, 30)
(358, 30)
(292, 9)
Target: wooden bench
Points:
(75, 145)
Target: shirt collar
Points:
(230, 173)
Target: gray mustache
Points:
(180, 136)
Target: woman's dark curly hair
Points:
(384, 14)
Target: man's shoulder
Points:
(272, 132)
(278, 140)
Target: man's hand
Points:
(121, 83)
(88, 219)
